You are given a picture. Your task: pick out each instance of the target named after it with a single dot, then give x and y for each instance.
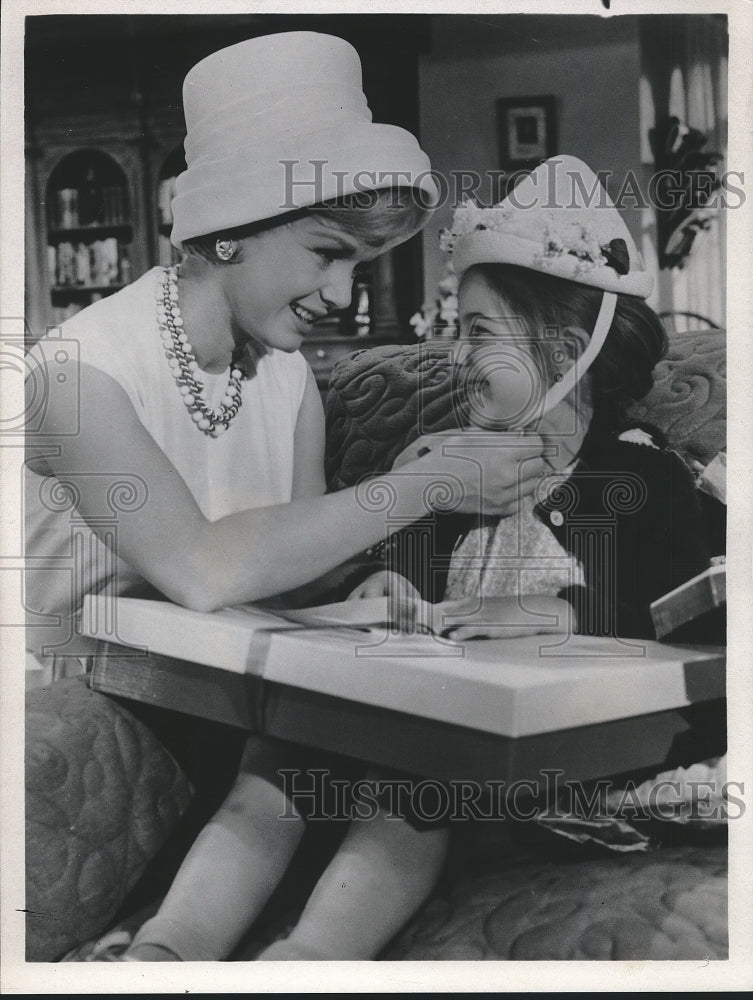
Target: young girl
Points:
(555, 335)
(186, 451)
(556, 340)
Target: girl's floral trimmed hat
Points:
(559, 220)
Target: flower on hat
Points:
(439, 318)
(560, 220)
(555, 237)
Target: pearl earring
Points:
(226, 249)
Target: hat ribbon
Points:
(581, 365)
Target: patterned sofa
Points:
(109, 811)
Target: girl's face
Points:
(288, 278)
(501, 375)
(505, 375)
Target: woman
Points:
(192, 391)
(249, 291)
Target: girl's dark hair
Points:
(623, 369)
(374, 217)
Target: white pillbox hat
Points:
(278, 123)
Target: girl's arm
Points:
(251, 554)
(502, 617)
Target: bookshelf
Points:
(89, 231)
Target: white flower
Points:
(636, 436)
(421, 324)
(448, 309)
(449, 284)
(446, 240)
(441, 317)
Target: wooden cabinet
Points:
(85, 236)
(93, 197)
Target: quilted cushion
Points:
(667, 904)
(513, 905)
(102, 795)
(382, 398)
(689, 398)
(377, 396)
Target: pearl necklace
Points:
(183, 364)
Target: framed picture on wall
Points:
(526, 130)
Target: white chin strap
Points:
(581, 365)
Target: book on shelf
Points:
(105, 261)
(82, 265)
(94, 206)
(114, 206)
(64, 267)
(52, 264)
(507, 687)
(694, 611)
(65, 206)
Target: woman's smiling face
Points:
(287, 278)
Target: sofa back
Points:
(382, 398)
(688, 401)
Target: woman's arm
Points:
(309, 481)
(308, 455)
(251, 554)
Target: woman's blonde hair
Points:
(377, 217)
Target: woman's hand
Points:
(502, 617)
(477, 471)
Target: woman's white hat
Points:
(278, 123)
(559, 220)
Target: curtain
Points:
(684, 61)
